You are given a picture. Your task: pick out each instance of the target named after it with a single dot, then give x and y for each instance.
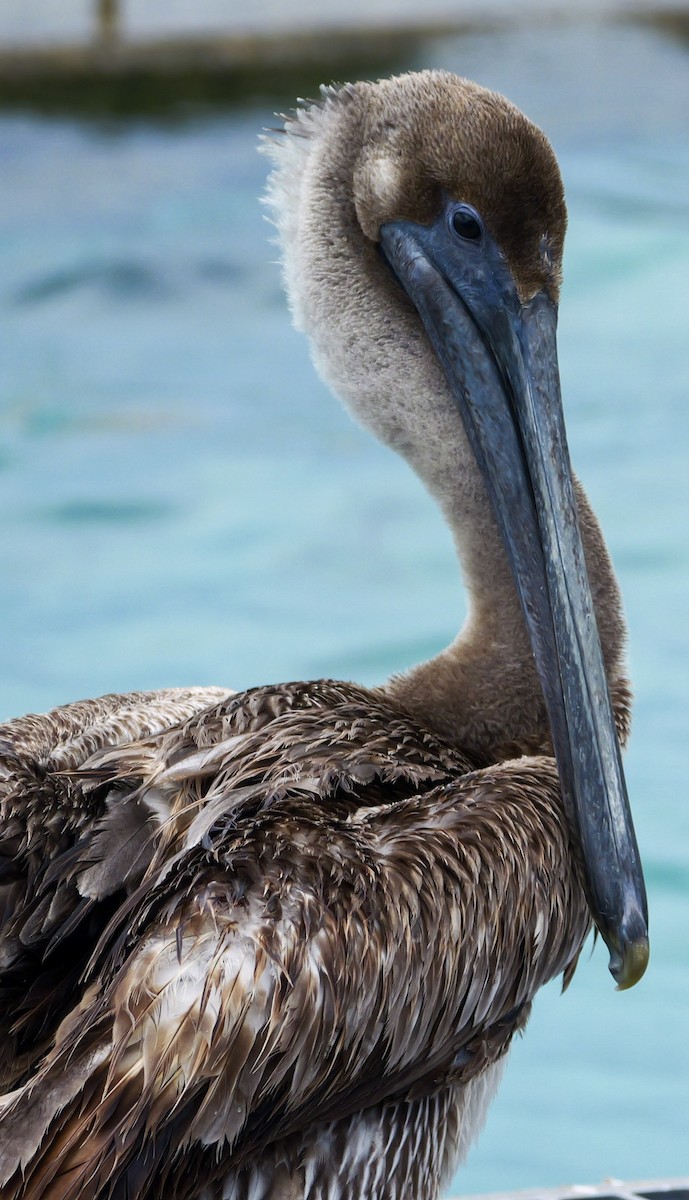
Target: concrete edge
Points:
(615, 1189)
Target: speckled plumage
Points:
(274, 961)
(275, 945)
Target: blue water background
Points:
(183, 502)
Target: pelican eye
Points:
(466, 223)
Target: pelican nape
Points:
(276, 944)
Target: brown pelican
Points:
(277, 944)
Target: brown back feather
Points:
(282, 963)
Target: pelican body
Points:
(276, 944)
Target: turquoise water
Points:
(183, 502)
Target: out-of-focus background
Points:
(183, 502)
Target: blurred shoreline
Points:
(123, 57)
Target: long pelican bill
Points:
(499, 356)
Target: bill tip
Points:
(628, 966)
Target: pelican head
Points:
(422, 222)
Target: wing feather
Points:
(68, 845)
(299, 905)
(259, 1028)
